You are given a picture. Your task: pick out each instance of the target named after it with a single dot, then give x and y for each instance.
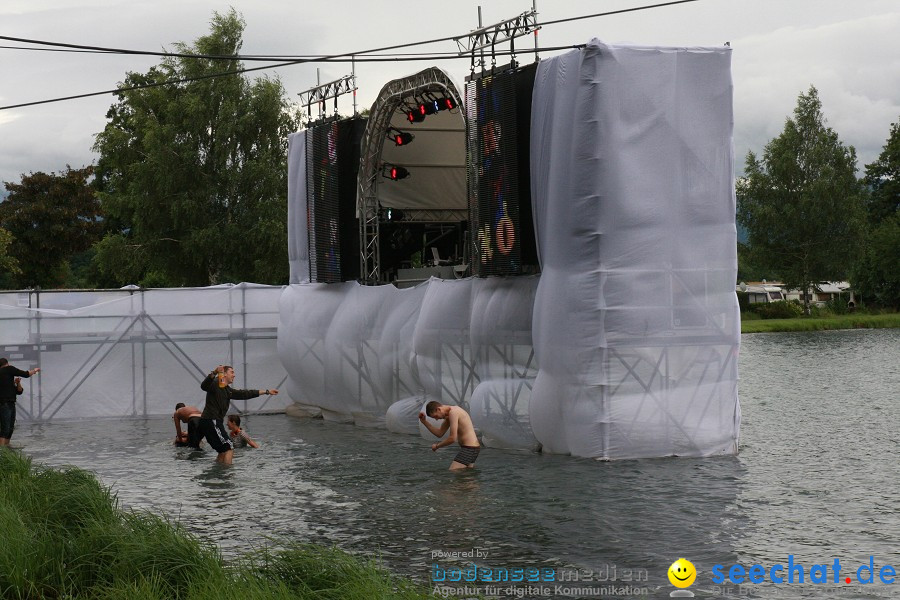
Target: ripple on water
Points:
(815, 479)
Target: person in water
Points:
(459, 424)
(239, 437)
(219, 395)
(10, 387)
(190, 416)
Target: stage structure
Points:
(430, 188)
(136, 352)
(625, 345)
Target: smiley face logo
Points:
(682, 573)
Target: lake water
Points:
(815, 481)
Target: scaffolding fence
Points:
(136, 352)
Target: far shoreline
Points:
(837, 322)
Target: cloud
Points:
(855, 65)
(780, 49)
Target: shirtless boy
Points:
(459, 423)
(190, 415)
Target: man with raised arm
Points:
(459, 424)
(10, 387)
(219, 395)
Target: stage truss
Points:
(389, 101)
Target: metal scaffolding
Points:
(118, 344)
(389, 101)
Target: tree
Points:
(883, 178)
(52, 217)
(9, 266)
(877, 276)
(196, 172)
(802, 204)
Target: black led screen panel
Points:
(332, 164)
(499, 114)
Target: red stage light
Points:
(398, 173)
(403, 138)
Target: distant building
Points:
(824, 292)
(761, 291)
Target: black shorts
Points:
(7, 418)
(193, 432)
(216, 434)
(467, 455)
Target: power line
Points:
(615, 12)
(323, 58)
(396, 57)
(248, 57)
(340, 59)
(64, 47)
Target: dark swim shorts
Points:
(215, 433)
(467, 455)
(194, 433)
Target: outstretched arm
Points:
(250, 394)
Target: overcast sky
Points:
(848, 49)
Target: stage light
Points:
(394, 215)
(428, 107)
(447, 103)
(415, 115)
(398, 173)
(400, 138)
(393, 172)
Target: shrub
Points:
(781, 309)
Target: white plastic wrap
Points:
(636, 324)
(122, 353)
(376, 355)
(626, 345)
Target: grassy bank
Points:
(855, 321)
(62, 535)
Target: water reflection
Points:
(815, 478)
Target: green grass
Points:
(855, 321)
(63, 535)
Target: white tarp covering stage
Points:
(626, 345)
(135, 353)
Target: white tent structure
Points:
(626, 344)
(136, 352)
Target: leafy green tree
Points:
(877, 275)
(195, 173)
(802, 204)
(883, 178)
(52, 218)
(748, 270)
(9, 266)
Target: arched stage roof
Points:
(435, 190)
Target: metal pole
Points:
(353, 72)
(537, 57)
(133, 375)
(244, 337)
(479, 27)
(37, 296)
(143, 353)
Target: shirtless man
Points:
(458, 422)
(191, 416)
